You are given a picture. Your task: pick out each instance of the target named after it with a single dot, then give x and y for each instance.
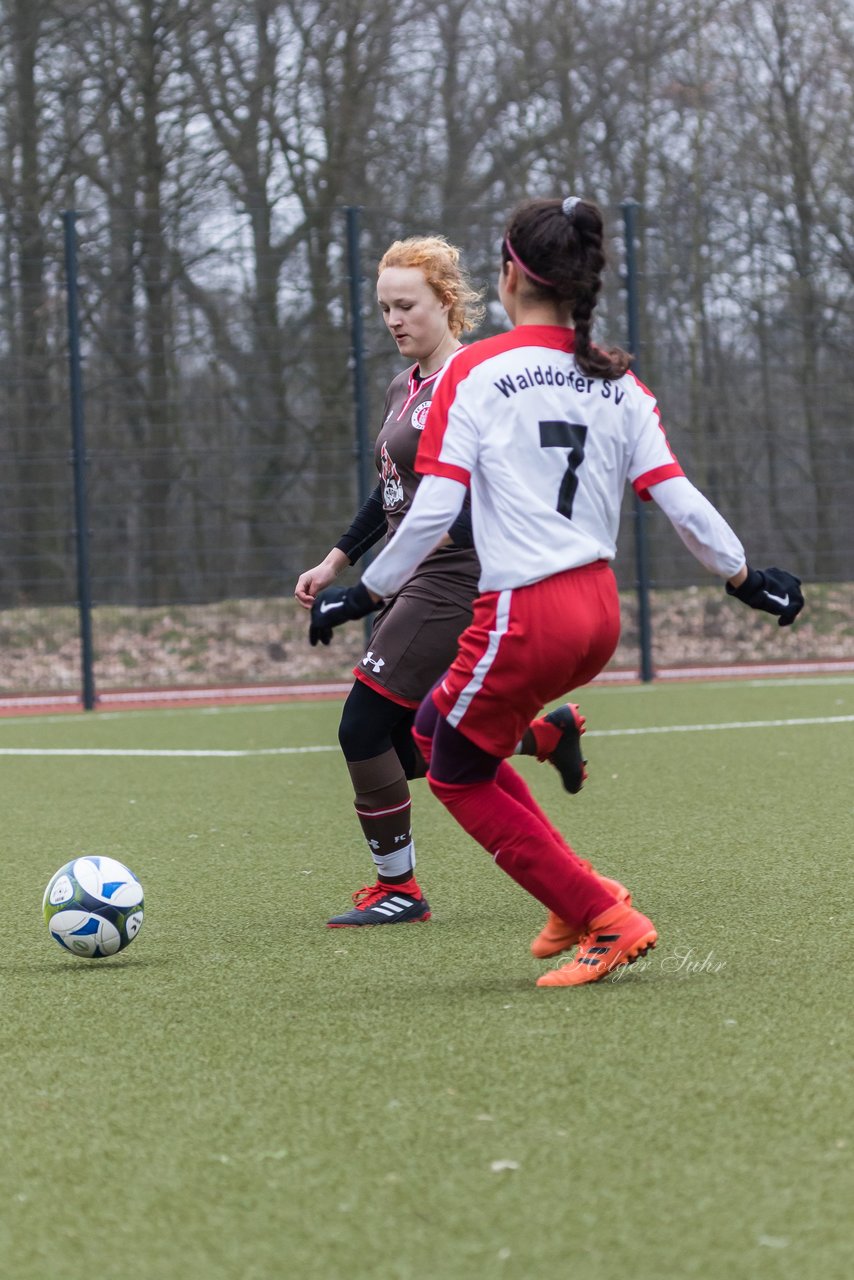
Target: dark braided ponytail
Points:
(559, 246)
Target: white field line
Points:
(709, 728)
(298, 751)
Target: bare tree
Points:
(212, 147)
(794, 78)
(38, 436)
(124, 143)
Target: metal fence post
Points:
(630, 208)
(357, 351)
(78, 458)
(364, 461)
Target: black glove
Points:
(773, 590)
(336, 605)
(460, 532)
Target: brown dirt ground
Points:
(265, 641)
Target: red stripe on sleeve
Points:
(434, 467)
(644, 483)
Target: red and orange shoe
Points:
(619, 936)
(557, 936)
(558, 739)
(384, 904)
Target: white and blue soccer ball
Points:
(93, 907)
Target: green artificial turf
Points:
(247, 1095)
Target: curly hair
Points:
(439, 261)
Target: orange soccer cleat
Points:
(556, 935)
(617, 937)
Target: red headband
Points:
(520, 264)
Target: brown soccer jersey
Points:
(407, 402)
(406, 405)
(414, 638)
(404, 415)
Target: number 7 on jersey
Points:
(571, 436)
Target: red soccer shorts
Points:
(527, 647)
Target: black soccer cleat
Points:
(384, 904)
(566, 756)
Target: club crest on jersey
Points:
(419, 415)
(392, 486)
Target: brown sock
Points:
(384, 809)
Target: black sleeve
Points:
(369, 525)
(461, 531)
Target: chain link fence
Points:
(221, 449)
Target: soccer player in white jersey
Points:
(544, 429)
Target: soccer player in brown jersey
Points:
(426, 302)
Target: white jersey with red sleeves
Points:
(545, 449)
